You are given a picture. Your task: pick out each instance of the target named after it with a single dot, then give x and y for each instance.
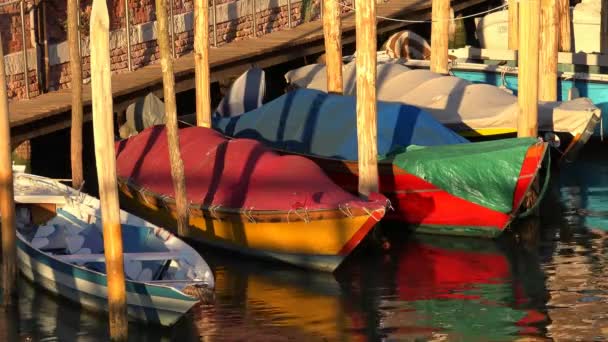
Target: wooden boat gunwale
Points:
(156, 201)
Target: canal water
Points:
(546, 280)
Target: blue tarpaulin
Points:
(313, 122)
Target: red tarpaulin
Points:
(237, 173)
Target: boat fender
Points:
(552, 139)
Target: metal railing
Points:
(23, 42)
(128, 28)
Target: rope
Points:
(431, 21)
(248, 215)
(213, 211)
(542, 192)
(370, 214)
(345, 209)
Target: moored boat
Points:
(471, 109)
(60, 248)
(436, 180)
(246, 198)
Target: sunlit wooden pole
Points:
(177, 165)
(513, 24)
(105, 158)
(548, 46)
(604, 27)
(565, 34)
(440, 28)
(76, 74)
(529, 24)
(7, 204)
(365, 21)
(332, 27)
(201, 63)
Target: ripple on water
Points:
(545, 282)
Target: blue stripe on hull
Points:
(98, 303)
(100, 279)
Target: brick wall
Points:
(234, 23)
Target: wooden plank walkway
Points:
(51, 111)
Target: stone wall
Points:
(234, 22)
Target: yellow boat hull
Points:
(320, 240)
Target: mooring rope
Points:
(542, 192)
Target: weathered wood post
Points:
(105, 157)
(365, 21)
(76, 74)
(201, 63)
(547, 85)
(529, 23)
(440, 36)
(7, 204)
(177, 165)
(513, 24)
(332, 27)
(604, 27)
(565, 34)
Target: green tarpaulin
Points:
(484, 173)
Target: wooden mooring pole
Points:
(529, 24)
(105, 157)
(565, 33)
(177, 165)
(548, 49)
(440, 38)
(365, 21)
(332, 27)
(201, 63)
(7, 203)
(513, 24)
(76, 74)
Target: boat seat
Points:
(145, 256)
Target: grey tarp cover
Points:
(145, 112)
(457, 103)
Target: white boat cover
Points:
(456, 103)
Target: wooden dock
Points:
(50, 112)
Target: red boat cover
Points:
(236, 173)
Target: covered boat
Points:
(469, 108)
(436, 180)
(246, 198)
(60, 247)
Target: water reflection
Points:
(545, 281)
(262, 301)
(41, 316)
(576, 272)
(461, 289)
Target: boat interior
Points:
(70, 231)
